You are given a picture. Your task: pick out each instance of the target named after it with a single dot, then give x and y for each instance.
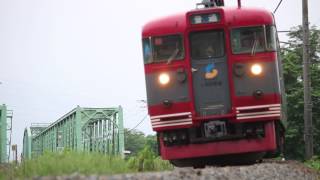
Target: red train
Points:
(214, 87)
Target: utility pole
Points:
(308, 135)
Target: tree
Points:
(292, 66)
(135, 141)
(151, 141)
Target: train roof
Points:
(232, 17)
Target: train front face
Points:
(212, 82)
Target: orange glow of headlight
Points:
(164, 78)
(256, 69)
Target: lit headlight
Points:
(164, 78)
(256, 69)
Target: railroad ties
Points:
(82, 129)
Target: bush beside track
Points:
(69, 162)
(314, 163)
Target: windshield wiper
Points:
(254, 46)
(253, 50)
(174, 54)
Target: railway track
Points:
(268, 169)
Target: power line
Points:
(277, 7)
(283, 31)
(134, 110)
(138, 123)
(145, 102)
(283, 42)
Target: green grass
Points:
(6, 171)
(68, 162)
(314, 163)
(147, 161)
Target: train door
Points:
(209, 73)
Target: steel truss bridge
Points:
(5, 133)
(82, 129)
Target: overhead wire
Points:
(144, 118)
(277, 7)
(134, 111)
(283, 31)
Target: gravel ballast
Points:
(289, 170)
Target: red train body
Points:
(213, 86)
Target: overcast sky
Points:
(57, 54)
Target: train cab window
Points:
(248, 40)
(163, 49)
(253, 39)
(207, 44)
(147, 53)
(271, 34)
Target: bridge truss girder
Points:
(82, 129)
(5, 133)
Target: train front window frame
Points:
(147, 51)
(271, 36)
(253, 39)
(207, 44)
(163, 48)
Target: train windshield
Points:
(163, 49)
(207, 44)
(253, 39)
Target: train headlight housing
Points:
(256, 69)
(164, 78)
(239, 69)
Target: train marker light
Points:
(164, 78)
(256, 69)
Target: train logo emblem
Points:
(211, 71)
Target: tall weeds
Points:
(69, 162)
